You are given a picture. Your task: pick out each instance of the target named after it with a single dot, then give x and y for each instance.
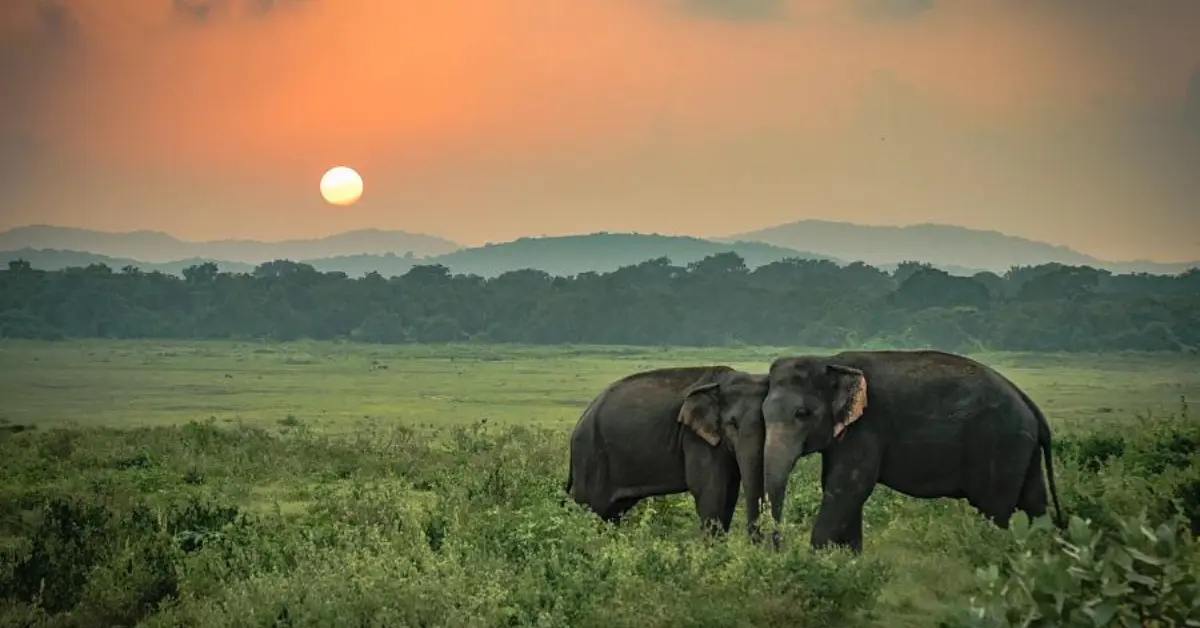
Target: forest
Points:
(715, 301)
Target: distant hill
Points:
(566, 255)
(603, 252)
(946, 246)
(158, 247)
(50, 259)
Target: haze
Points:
(1075, 122)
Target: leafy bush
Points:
(1138, 576)
(104, 565)
(1128, 558)
(466, 529)
(199, 525)
(1092, 451)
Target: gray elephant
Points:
(925, 423)
(671, 430)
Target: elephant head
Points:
(810, 403)
(725, 410)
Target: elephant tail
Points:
(1044, 442)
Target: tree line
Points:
(711, 302)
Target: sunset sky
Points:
(1071, 121)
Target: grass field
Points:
(338, 387)
(221, 483)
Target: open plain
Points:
(319, 483)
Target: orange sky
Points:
(486, 120)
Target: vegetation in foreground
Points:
(153, 526)
(205, 523)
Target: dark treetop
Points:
(714, 301)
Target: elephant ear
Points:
(700, 412)
(850, 397)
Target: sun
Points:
(341, 185)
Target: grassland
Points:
(337, 387)
(324, 483)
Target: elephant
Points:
(928, 424)
(665, 431)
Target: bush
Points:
(101, 564)
(465, 530)
(1138, 576)
(1128, 558)
(204, 526)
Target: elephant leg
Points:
(732, 489)
(617, 509)
(849, 472)
(996, 478)
(713, 482)
(851, 535)
(839, 520)
(1033, 500)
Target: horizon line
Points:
(720, 239)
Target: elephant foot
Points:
(855, 547)
(776, 540)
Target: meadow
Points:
(222, 483)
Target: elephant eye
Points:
(801, 412)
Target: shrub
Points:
(458, 531)
(102, 564)
(1138, 576)
(201, 525)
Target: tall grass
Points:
(200, 525)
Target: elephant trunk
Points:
(780, 453)
(750, 462)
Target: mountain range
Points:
(562, 256)
(944, 246)
(156, 246)
(958, 250)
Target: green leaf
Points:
(1166, 536)
(1140, 579)
(1122, 558)
(1144, 558)
(1115, 589)
(1019, 526)
(1078, 531)
(1103, 613)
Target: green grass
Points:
(339, 387)
(366, 479)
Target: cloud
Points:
(263, 7)
(32, 33)
(736, 10)
(196, 10)
(608, 114)
(781, 10)
(42, 42)
(892, 9)
(56, 20)
(203, 11)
